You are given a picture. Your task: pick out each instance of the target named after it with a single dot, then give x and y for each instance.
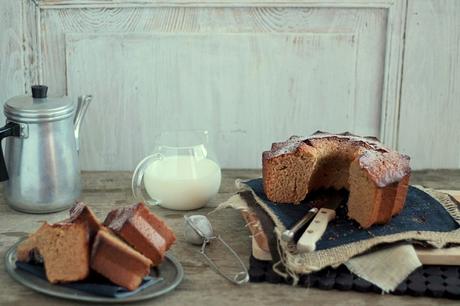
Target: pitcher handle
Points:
(138, 177)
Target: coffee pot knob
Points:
(39, 91)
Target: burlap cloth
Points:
(293, 264)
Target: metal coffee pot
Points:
(41, 167)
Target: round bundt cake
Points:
(376, 177)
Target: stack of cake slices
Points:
(123, 248)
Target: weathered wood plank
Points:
(31, 38)
(256, 75)
(437, 179)
(393, 73)
(213, 3)
(201, 286)
(11, 52)
(429, 125)
(20, 68)
(95, 181)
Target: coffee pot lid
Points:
(38, 107)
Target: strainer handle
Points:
(240, 277)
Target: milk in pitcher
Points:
(182, 182)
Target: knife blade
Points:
(317, 227)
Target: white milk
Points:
(182, 182)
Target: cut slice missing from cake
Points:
(64, 249)
(117, 261)
(376, 177)
(141, 229)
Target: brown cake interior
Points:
(288, 176)
(64, 248)
(333, 162)
(362, 192)
(117, 261)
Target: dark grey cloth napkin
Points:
(95, 285)
(421, 212)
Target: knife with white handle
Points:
(317, 227)
(288, 235)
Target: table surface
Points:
(104, 191)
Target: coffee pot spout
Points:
(82, 107)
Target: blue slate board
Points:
(421, 213)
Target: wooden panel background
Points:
(190, 82)
(11, 53)
(430, 112)
(249, 75)
(47, 44)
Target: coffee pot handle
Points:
(9, 129)
(80, 112)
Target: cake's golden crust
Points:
(82, 213)
(144, 231)
(327, 158)
(385, 168)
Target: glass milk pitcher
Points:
(181, 174)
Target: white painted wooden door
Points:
(249, 75)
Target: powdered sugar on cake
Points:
(377, 177)
(385, 168)
(290, 145)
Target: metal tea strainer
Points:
(198, 231)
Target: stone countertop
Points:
(201, 286)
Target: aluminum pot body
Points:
(43, 167)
